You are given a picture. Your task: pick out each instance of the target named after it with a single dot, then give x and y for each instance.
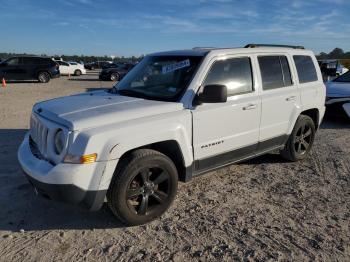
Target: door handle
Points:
(291, 98)
(249, 107)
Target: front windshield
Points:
(159, 77)
(343, 78)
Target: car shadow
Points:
(335, 122)
(86, 79)
(20, 208)
(269, 158)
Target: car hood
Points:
(338, 89)
(100, 108)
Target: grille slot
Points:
(39, 133)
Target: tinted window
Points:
(29, 60)
(35, 60)
(306, 68)
(275, 72)
(286, 71)
(13, 61)
(234, 73)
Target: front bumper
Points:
(55, 74)
(91, 200)
(78, 184)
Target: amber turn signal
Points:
(85, 159)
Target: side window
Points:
(275, 72)
(28, 61)
(235, 73)
(286, 71)
(306, 68)
(13, 61)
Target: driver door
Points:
(227, 132)
(12, 70)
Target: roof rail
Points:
(202, 47)
(267, 45)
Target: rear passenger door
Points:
(309, 83)
(280, 99)
(29, 67)
(225, 132)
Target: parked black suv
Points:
(97, 65)
(29, 68)
(116, 73)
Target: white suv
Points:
(174, 116)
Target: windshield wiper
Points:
(132, 93)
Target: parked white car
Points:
(71, 68)
(174, 116)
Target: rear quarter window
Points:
(305, 68)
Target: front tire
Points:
(301, 139)
(143, 187)
(77, 72)
(43, 77)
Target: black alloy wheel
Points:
(300, 140)
(149, 190)
(43, 77)
(303, 139)
(143, 187)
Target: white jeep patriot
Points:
(174, 116)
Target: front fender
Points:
(112, 141)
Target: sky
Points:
(124, 28)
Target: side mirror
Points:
(211, 94)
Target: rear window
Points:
(275, 72)
(305, 68)
(36, 60)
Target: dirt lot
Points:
(263, 209)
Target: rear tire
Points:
(77, 72)
(143, 187)
(114, 77)
(300, 140)
(43, 77)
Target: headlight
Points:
(59, 141)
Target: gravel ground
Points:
(263, 209)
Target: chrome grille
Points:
(39, 132)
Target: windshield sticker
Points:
(173, 67)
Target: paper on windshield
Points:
(173, 67)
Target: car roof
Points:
(202, 51)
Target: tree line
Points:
(336, 53)
(77, 58)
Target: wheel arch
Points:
(43, 71)
(314, 114)
(170, 148)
